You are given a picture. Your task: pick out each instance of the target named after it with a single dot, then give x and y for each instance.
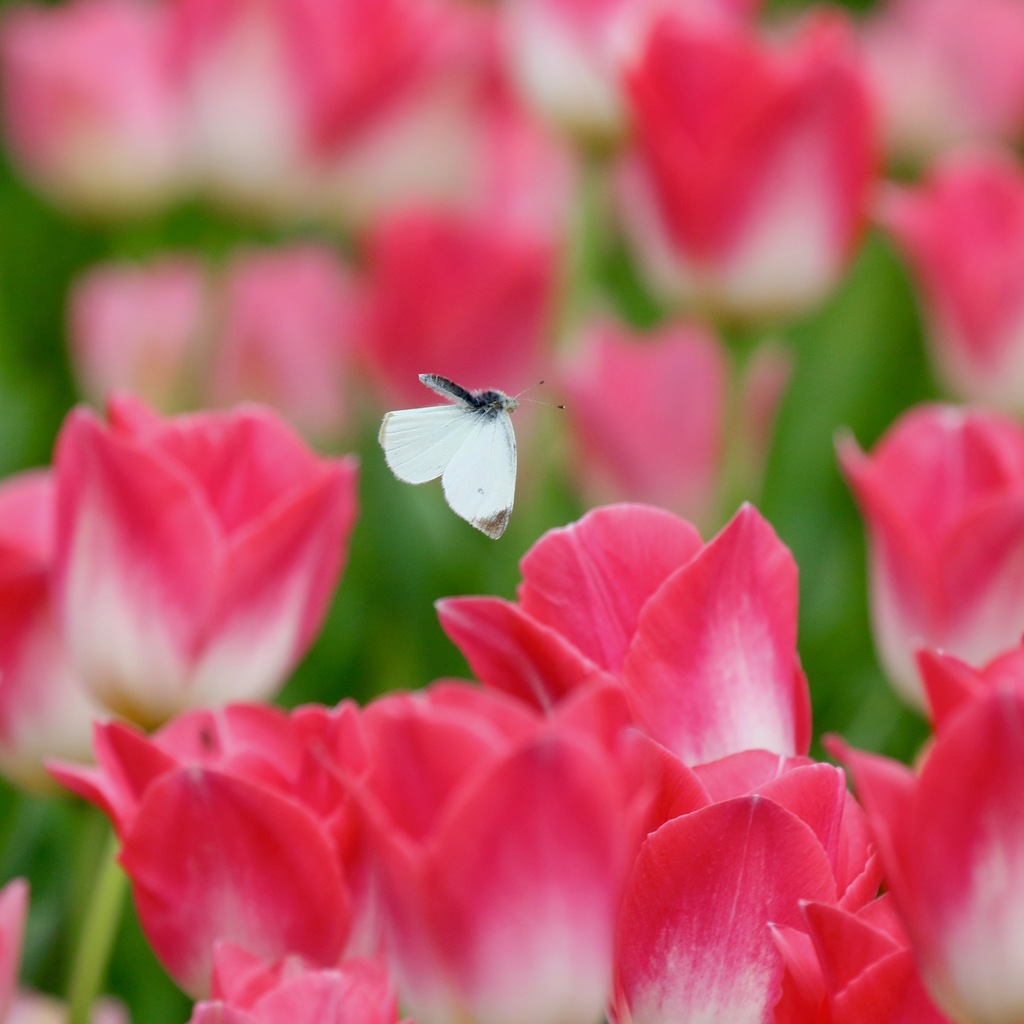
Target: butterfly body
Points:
(469, 443)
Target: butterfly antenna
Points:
(536, 401)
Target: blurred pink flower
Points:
(648, 414)
(568, 56)
(457, 295)
(140, 328)
(97, 134)
(654, 420)
(963, 234)
(286, 330)
(276, 326)
(747, 190)
(951, 839)
(942, 498)
(45, 708)
(269, 876)
(195, 557)
(946, 72)
(501, 845)
(247, 991)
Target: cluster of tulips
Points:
(620, 818)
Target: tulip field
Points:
(660, 660)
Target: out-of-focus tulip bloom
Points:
(96, 133)
(701, 637)
(287, 326)
(195, 557)
(951, 839)
(650, 416)
(233, 67)
(223, 834)
(45, 709)
(693, 940)
(502, 842)
(22, 1006)
(569, 56)
(247, 991)
(139, 328)
(963, 233)
(946, 73)
(942, 497)
(752, 168)
(847, 968)
(399, 121)
(456, 293)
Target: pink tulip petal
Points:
(713, 667)
(963, 858)
(13, 912)
(949, 683)
(215, 858)
(693, 942)
(511, 917)
(220, 1013)
(137, 551)
(589, 581)
(244, 461)
(275, 586)
(128, 764)
(513, 652)
(422, 752)
(885, 789)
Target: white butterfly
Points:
(468, 443)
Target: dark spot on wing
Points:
(494, 526)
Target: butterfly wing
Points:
(420, 443)
(480, 480)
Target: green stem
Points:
(97, 935)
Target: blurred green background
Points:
(858, 364)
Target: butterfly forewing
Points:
(420, 443)
(480, 481)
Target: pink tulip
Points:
(647, 415)
(963, 234)
(951, 838)
(233, 69)
(569, 56)
(946, 73)
(246, 991)
(847, 968)
(399, 119)
(650, 414)
(269, 876)
(700, 637)
(287, 329)
(195, 557)
(140, 328)
(752, 167)
(693, 941)
(942, 496)
(501, 844)
(459, 294)
(95, 133)
(45, 709)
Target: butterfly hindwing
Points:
(479, 482)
